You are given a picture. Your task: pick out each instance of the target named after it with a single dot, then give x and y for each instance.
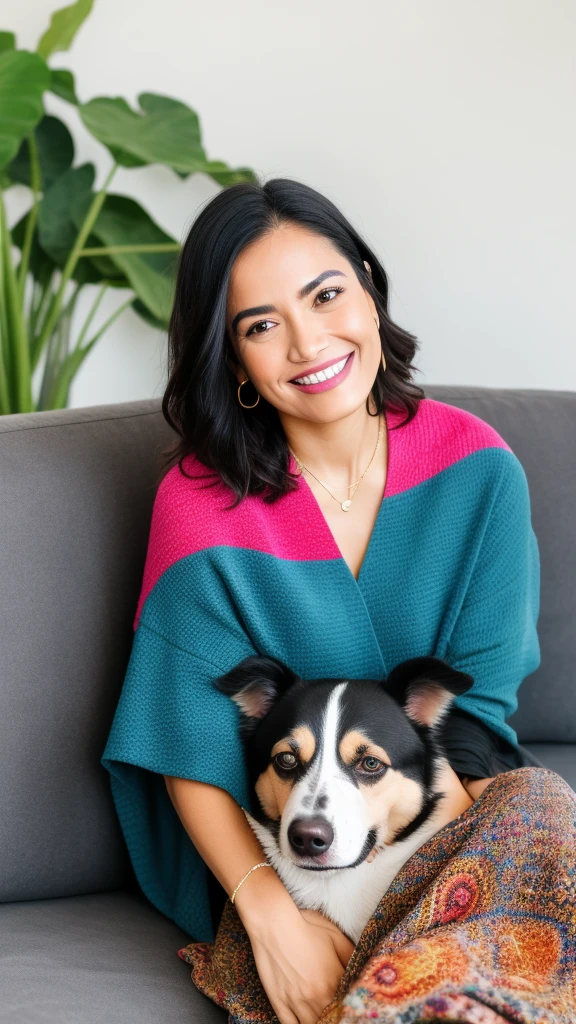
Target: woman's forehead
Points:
(280, 262)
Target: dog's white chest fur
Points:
(348, 896)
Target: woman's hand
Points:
(300, 955)
(300, 964)
(342, 944)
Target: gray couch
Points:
(79, 942)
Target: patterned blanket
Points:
(479, 925)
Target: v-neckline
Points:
(390, 487)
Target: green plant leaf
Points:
(87, 271)
(23, 78)
(56, 227)
(64, 25)
(55, 153)
(7, 41)
(226, 175)
(147, 316)
(123, 221)
(62, 84)
(109, 271)
(163, 131)
(105, 119)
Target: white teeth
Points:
(330, 371)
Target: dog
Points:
(345, 774)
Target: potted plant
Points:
(74, 236)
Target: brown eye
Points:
(327, 291)
(286, 761)
(259, 323)
(370, 765)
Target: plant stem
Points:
(57, 353)
(34, 301)
(5, 402)
(18, 353)
(35, 184)
(50, 366)
(77, 356)
(91, 314)
(37, 311)
(107, 324)
(89, 221)
(113, 250)
(69, 307)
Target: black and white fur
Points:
(346, 773)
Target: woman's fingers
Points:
(285, 1014)
(342, 944)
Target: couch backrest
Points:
(76, 494)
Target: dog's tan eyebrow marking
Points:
(273, 792)
(304, 738)
(354, 744)
(300, 741)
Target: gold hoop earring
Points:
(244, 406)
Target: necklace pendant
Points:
(346, 505)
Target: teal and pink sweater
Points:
(452, 570)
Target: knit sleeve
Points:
(171, 720)
(495, 636)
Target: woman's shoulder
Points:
(185, 488)
(194, 514)
(181, 521)
(442, 436)
(456, 430)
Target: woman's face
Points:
(284, 321)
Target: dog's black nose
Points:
(309, 837)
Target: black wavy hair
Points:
(247, 448)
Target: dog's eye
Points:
(370, 765)
(286, 761)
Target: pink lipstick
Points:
(329, 383)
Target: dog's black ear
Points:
(255, 684)
(425, 687)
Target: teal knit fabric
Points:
(452, 569)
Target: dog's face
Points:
(342, 767)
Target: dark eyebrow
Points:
(257, 310)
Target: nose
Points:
(308, 340)
(309, 837)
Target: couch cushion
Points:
(95, 960)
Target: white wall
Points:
(444, 129)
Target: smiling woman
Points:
(289, 290)
(316, 508)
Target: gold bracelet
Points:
(263, 864)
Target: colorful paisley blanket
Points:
(479, 925)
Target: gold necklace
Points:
(344, 505)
